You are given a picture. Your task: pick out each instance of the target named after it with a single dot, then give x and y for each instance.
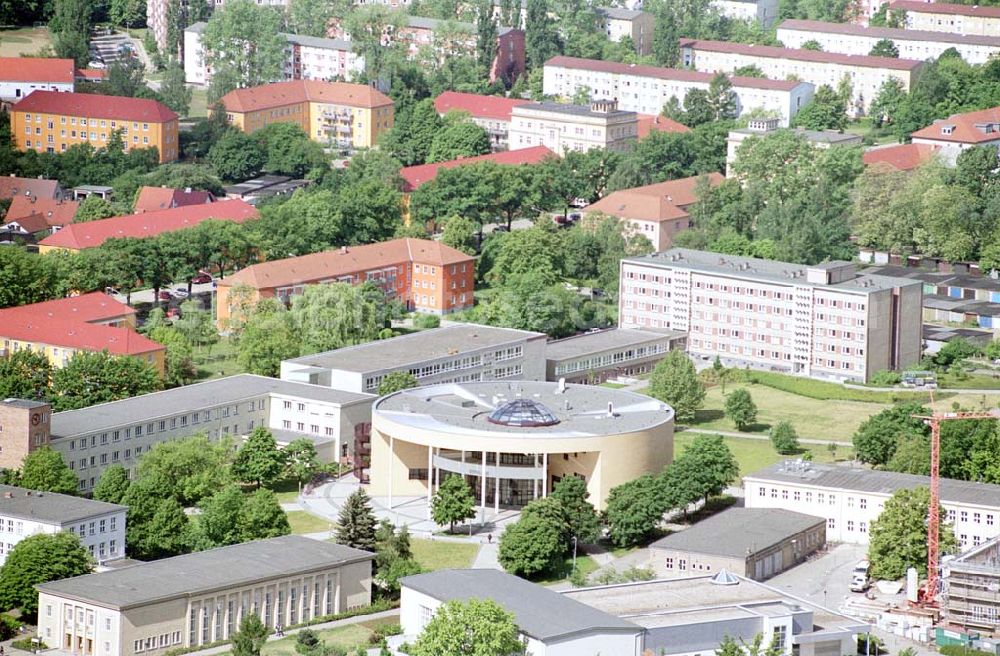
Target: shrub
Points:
(25, 644)
(424, 321)
(784, 438)
(886, 378)
(824, 391)
(962, 650)
(382, 631)
(8, 627)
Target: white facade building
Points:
(848, 39)
(761, 127)
(646, 89)
(850, 498)
(19, 76)
(823, 321)
(99, 525)
(959, 132)
(562, 128)
(196, 69)
(947, 17)
(764, 12)
(617, 23)
(866, 74)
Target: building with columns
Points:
(200, 598)
(513, 441)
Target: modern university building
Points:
(513, 441)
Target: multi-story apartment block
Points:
(492, 113)
(198, 599)
(764, 12)
(850, 498)
(119, 433)
(618, 23)
(426, 276)
(52, 121)
(336, 113)
(866, 74)
(947, 17)
(758, 127)
(313, 58)
(19, 76)
(647, 89)
(824, 321)
(562, 128)
(950, 136)
(79, 236)
(458, 353)
(157, 12)
(850, 39)
(62, 328)
(99, 525)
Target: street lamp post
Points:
(574, 553)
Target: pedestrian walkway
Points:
(488, 556)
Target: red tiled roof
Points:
(92, 105)
(91, 308)
(31, 224)
(797, 54)
(11, 186)
(945, 8)
(649, 123)
(478, 106)
(970, 128)
(279, 94)
(91, 75)
(55, 212)
(662, 201)
(903, 157)
(149, 224)
(161, 198)
(37, 69)
(333, 263)
(415, 176)
(679, 74)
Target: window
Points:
(831, 523)
(964, 516)
(762, 491)
(682, 564)
(850, 525)
(862, 527)
(863, 503)
(288, 405)
(976, 518)
(669, 563)
(780, 636)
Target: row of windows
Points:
(103, 526)
(83, 122)
(157, 642)
(608, 359)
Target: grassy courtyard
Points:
(346, 637)
(755, 454)
(23, 41)
(442, 554)
(304, 522)
(217, 362)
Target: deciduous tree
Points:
(740, 408)
(334, 315)
(635, 509)
(242, 43)
(70, 27)
(258, 460)
(453, 502)
(582, 519)
(898, 536)
(112, 485)
(25, 374)
(250, 638)
(477, 627)
(395, 381)
(530, 546)
(188, 469)
(301, 460)
(877, 437)
(89, 378)
(44, 469)
(236, 156)
(156, 526)
(174, 93)
(705, 468)
(675, 382)
(460, 139)
(784, 438)
(39, 559)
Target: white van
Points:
(859, 577)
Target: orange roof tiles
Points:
(11, 186)
(37, 69)
(970, 128)
(279, 94)
(945, 8)
(797, 54)
(148, 224)
(649, 123)
(92, 105)
(55, 212)
(415, 176)
(331, 264)
(903, 157)
(151, 199)
(91, 308)
(478, 106)
(662, 201)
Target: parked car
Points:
(201, 278)
(165, 295)
(859, 577)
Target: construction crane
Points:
(934, 507)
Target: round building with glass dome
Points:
(513, 441)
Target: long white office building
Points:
(646, 89)
(949, 17)
(824, 321)
(850, 498)
(850, 39)
(866, 74)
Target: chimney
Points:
(343, 249)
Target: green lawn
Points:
(828, 391)
(304, 522)
(218, 362)
(199, 103)
(287, 490)
(346, 637)
(972, 381)
(441, 554)
(757, 454)
(23, 41)
(584, 563)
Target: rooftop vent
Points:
(725, 577)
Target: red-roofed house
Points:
(19, 76)
(11, 186)
(78, 236)
(648, 123)
(61, 328)
(960, 132)
(657, 211)
(94, 75)
(901, 157)
(425, 275)
(151, 199)
(52, 122)
(416, 176)
(492, 113)
(30, 216)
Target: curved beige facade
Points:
(608, 437)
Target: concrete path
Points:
(758, 436)
(290, 506)
(488, 556)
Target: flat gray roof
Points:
(581, 410)
(405, 350)
(605, 340)
(619, 13)
(751, 268)
(538, 611)
(26, 404)
(574, 110)
(50, 507)
(880, 482)
(739, 532)
(189, 398)
(814, 136)
(318, 42)
(205, 571)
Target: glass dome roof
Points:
(522, 412)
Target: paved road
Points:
(146, 295)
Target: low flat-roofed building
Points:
(619, 352)
(971, 581)
(757, 543)
(264, 186)
(200, 598)
(460, 352)
(849, 498)
(761, 127)
(948, 17)
(563, 128)
(99, 525)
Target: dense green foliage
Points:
(356, 522)
(475, 627)
(675, 382)
(898, 537)
(452, 502)
(39, 559)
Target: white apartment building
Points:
(646, 89)
(823, 321)
(947, 17)
(848, 39)
(763, 126)
(618, 23)
(850, 498)
(867, 74)
(99, 525)
(158, 10)
(562, 128)
(764, 12)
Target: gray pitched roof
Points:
(204, 571)
(538, 611)
(739, 532)
(49, 507)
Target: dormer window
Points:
(947, 129)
